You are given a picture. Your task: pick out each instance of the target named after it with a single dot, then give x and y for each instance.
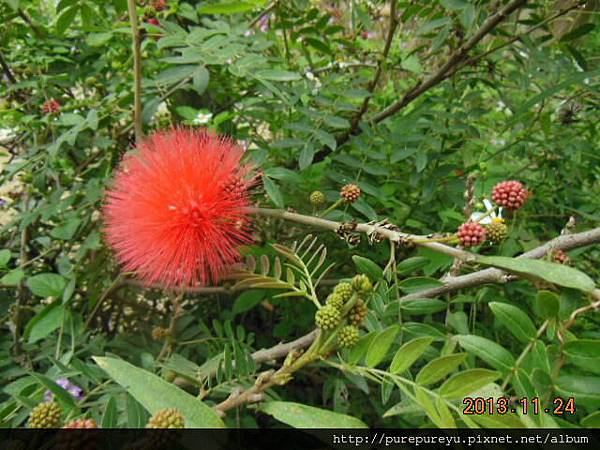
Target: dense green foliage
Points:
(303, 85)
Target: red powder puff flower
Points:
(50, 106)
(159, 5)
(178, 208)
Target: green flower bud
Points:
(166, 418)
(45, 415)
(328, 317)
(344, 290)
(362, 284)
(348, 336)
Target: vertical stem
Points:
(137, 71)
(21, 291)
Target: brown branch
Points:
(176, 314)
(137, 71)
(21, 291)
(7, 70)
(29, 22)
(379, 70)
(492, 275)
(394, 236)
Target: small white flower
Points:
(310, 76)
(202, 118)
(162, 108)
(487, 219)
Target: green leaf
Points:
(547, 304)
(277, 75)
(584, 353)
(464, 383)
(409, 353)
(187, 112)
(418, 284)
(298, 415)
(438, 368)
(490, 352)
(552, 272)
(412, 64)
(580, 387)
(200, 80)
(498, 420)
(46, 284)
(109, 419)
(248, 300)
(61, 394)
(420, 306)
(368, 267)
(412, 264)
(336, 122)
(65, 19)
(592, 420)
(227, 8)
(12, 278)
(273, 192)
(67, 231)
(515, 320)
(44, 323)
(306, 156)
(154, 393)
(358, 351)
(318, 44)
(98, 39)
(380, 345)
(578, 32)
(4, 257)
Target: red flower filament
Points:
(178, 209)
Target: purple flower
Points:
(263, 22)
(2, 203)
(71, 388)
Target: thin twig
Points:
(175, 315)
(137, 71)
(6, 69)
(21, 291)
(395, 236)
(379, 70)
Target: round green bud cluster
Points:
(362, 284)
(344, 290)
(317, 198)
(348, 336)
(335, 299)
(328, 317)
(497, 231)
(45, 415)
(358, 313)
(166, 418)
